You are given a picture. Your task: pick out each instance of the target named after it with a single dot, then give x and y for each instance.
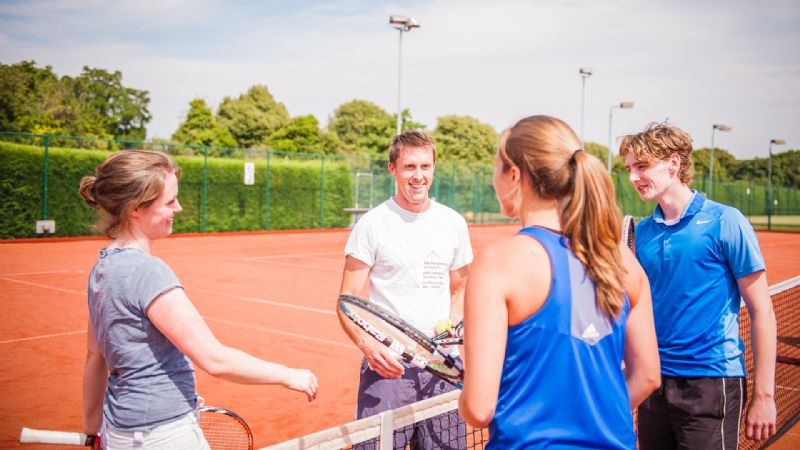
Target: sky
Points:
(695, 63)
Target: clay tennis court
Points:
(270, 294)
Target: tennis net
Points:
(785, 300)
(395, 429)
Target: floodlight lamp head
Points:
(777, 141)
(585, 72)
(626, 105)
(403, 23)
(721, 127)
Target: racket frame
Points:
(629, 232)
(406, 329)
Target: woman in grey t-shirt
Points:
(139, 386)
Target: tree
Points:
(755, 170)
(200, 128)
(302, 134)
(785, 170)
(95, 103)
(724, 164)
(110, 107)
(464, 139)
(34, 100)
(252, 117)
(363, 127)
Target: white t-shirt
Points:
(410, 257)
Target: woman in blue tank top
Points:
(552, 312)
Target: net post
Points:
(386, 439)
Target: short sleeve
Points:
(150, 281)
(463, 254)
(740, 244)
(360, 244)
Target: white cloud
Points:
(695, 62)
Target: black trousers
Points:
(692, 413)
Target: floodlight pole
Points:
(769, 181)
(401, 24)
(622, 105)
(714, 128)
(584, 73)
(399, 80)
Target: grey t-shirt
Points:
(151, 382)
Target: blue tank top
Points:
(562, 384)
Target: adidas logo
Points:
(590, 334)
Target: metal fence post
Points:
(322, 193)
(474, 196)
(266, 193)
(44, 177)
(205, 188)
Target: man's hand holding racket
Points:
(382, 360)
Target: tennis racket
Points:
(412, 345)
(629, 233)
(223, 429)
(444, 338)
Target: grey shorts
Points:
(377, 394)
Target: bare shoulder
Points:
(516, 267)
(509, 251)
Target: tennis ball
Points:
(443, 325)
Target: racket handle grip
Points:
(32, 436)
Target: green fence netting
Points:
(39, 177)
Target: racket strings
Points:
(225, 432)
(413, 349)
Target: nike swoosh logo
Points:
(700, 222)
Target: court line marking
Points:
(218, 294)
(292, 255)
(43, 286)
(284, 333)
(208, 318)
(302, 266)
(48, 272)
(265, 302)
(44, 336)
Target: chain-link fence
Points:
(234, 189)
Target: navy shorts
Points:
(692, 413)
(377, 394)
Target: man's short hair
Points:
(410, 139)
(657, 142)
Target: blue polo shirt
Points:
(693, 266)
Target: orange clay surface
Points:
(270, 294)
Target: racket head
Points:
(629, 232)
(224, 429)
(414, 346)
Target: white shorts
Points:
(183, 433)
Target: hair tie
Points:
(573, 156)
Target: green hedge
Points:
(294, 195)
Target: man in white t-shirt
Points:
(415, 253)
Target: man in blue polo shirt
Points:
(701, 257)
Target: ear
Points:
(674, 163)
(392, 169)
(516, 175)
